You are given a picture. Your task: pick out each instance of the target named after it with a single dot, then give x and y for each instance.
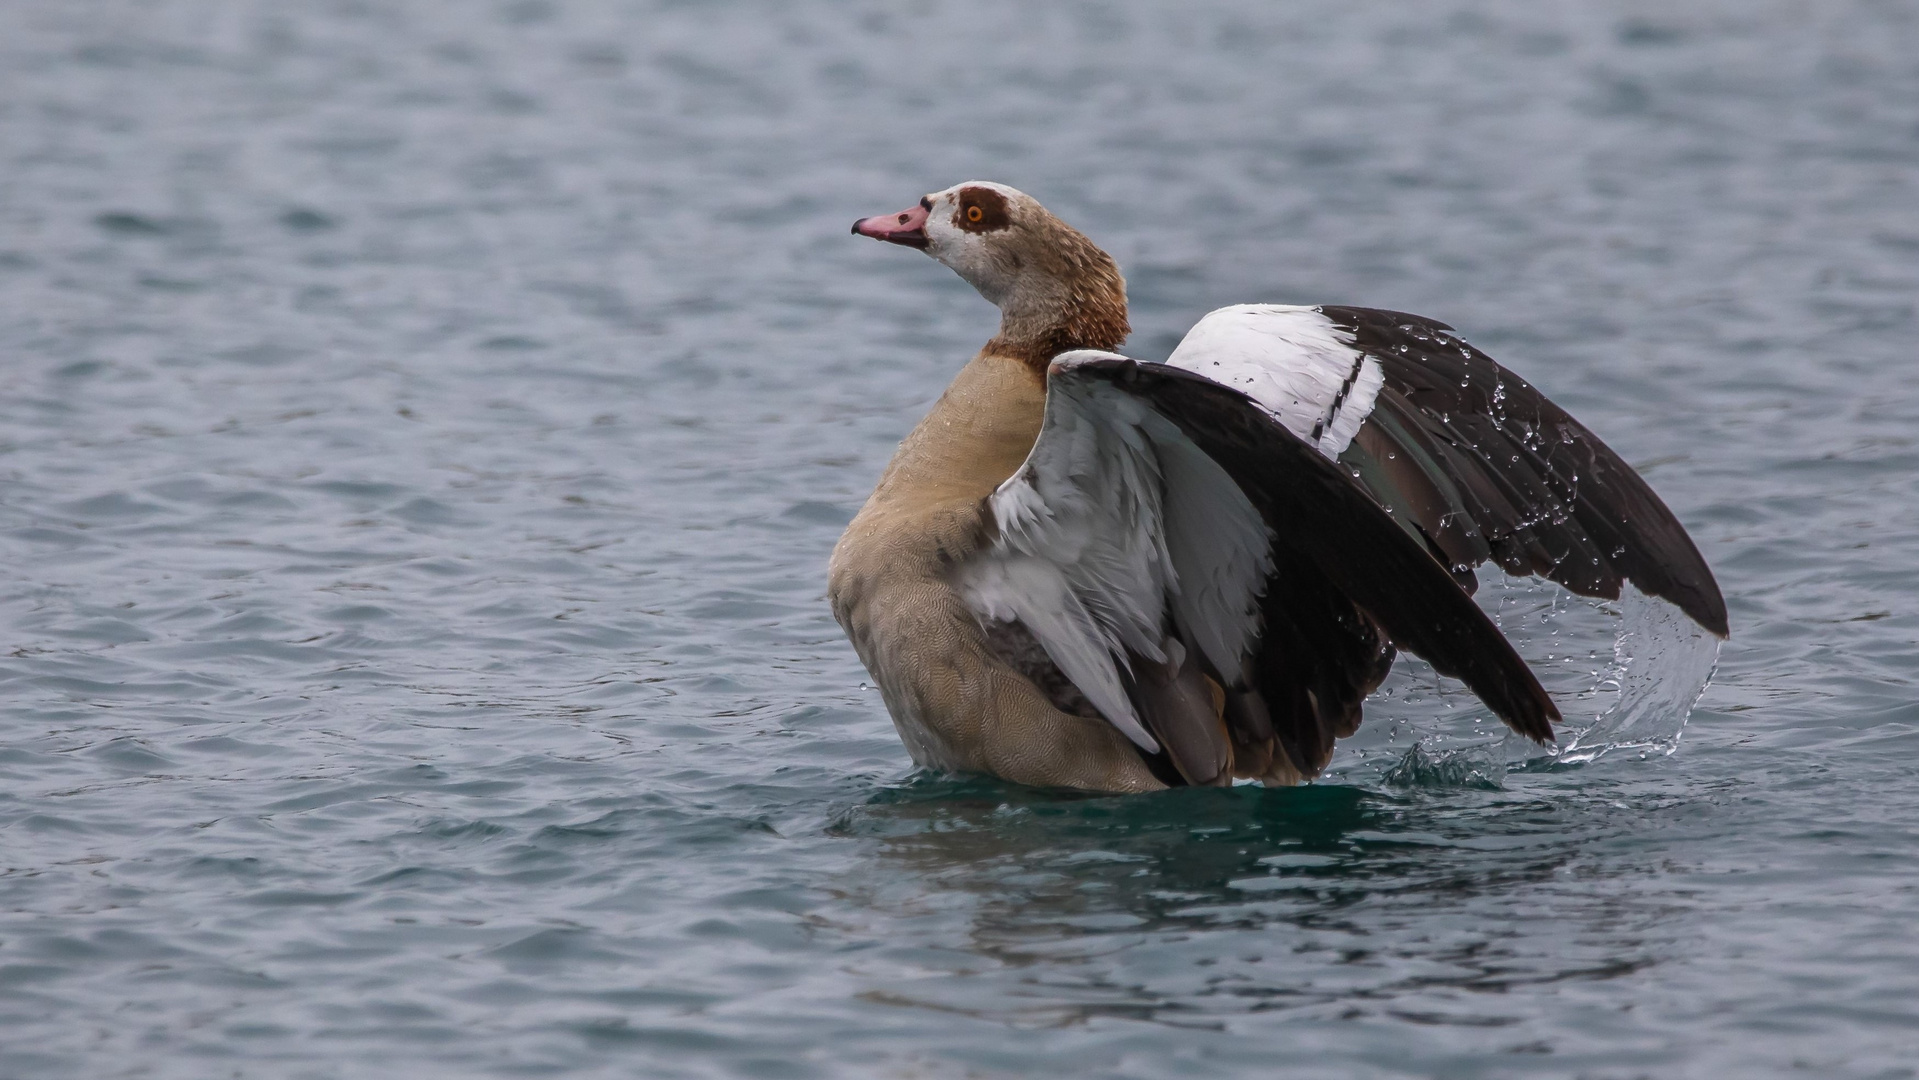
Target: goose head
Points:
(1055, 289)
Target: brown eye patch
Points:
(982, 210)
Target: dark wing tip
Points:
(1535, 717)
(1695, 591)
(1708, 609)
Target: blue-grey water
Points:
(424, 425)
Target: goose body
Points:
(1081, 570)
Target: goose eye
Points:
(981, 210)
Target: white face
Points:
(968, 227)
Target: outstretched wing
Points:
(1166, 527)
(1468, 457)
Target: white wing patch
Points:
(1115, 522)
(1299, 366)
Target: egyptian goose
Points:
(1086, 571)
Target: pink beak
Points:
(907, 227)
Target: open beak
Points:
(908, 227)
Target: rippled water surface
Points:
(424, 427)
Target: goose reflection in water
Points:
(1193, 906)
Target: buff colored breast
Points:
(955, 703)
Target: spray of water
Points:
(1662, 662)
(1626, 675)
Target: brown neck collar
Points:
(1077, 302)
(1037, 341)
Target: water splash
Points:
(1662, 664)
(1473, 767)
(1626, 675)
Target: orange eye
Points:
(974, 213)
